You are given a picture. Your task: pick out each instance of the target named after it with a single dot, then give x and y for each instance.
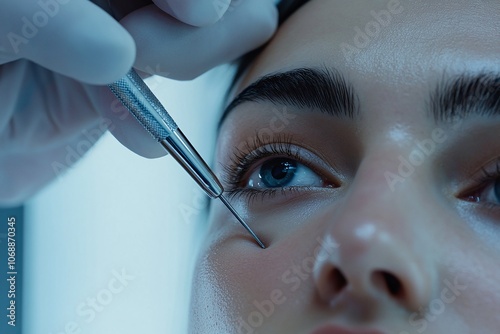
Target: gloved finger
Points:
(194, 12)
(125, 128)
(24, 173)
(75, 38)
(119, 8)
(57, 108)
(11, 20)
(176, 50)
(197, 13)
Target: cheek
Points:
(468, 294)
(237, 282)
(475, 285)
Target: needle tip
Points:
(233, 211)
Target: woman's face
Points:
(367, 160)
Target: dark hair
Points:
(285, 9)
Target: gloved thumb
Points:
(75, 38)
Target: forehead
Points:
(392, 41)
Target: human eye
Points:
(275, 167)
(283, 172)
(486, 191)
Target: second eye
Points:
(284, 172)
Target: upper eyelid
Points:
(481, 177)
(476, 195)
(240, 162)
(240, 157)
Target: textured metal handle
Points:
(181, 149)
(141, 102)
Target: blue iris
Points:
(278, 172)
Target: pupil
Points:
(278, 172)
(281, 170)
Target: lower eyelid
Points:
(285, 193)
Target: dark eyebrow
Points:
(323, 89)
(454, 99)
(458, 98)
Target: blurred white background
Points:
(110, 246)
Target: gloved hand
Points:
(55, 55)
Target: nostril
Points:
(393, 284)
(389, 283)
(337, 280)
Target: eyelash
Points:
(482, 182)
(256, 151)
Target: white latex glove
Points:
(54, 54)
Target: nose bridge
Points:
(375, 217)
(372, 198)
(381, 240)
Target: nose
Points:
(382, 254)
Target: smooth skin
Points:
(352, 251)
